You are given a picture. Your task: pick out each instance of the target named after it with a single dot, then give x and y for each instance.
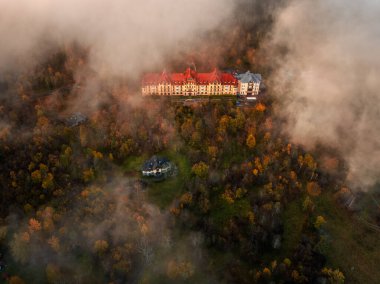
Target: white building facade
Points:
(248, 84)
(191, 83)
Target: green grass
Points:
(294, 219)
(164, 192)
(134, 163)
(352, 247)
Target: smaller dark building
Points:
(157, 167)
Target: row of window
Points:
(186, 93)
(184, 90)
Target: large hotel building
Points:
(191, 83)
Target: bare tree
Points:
(146, 250)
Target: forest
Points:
(247, 204)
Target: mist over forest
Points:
(282, 190)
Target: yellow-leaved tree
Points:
(251, 141)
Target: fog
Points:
(327, 79)
(114, 217)
(325, 54)
(124, 37)
(121, 39)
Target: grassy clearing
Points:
(134, 163)
(294, 219)
(162, 193)
(352, 247)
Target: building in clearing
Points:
(191, 83)
(157, 167)
(248, 84)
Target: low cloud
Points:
(129, 239)
(123, 37)
(326, 79)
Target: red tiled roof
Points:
(177, 78)
(190, 74)
(181, 78)
(228, 78)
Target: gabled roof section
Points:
(165, 78)
(177, 78)
(249, 77)
(189, 74)
(154, 163)
(203, 78)
(228, 79)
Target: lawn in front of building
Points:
(162, 193)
